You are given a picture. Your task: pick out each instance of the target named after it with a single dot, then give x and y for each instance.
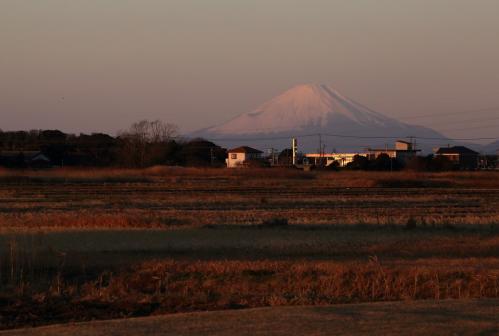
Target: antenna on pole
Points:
(321, 150)
(294, 143)
(320, 144)
(412, 141)
(273, 156)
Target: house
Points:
(328, 158)
(21, 159)
(402, 145)
(403, 152)
(461, 157)
(240, 156)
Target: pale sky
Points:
(99, 65)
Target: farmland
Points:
(77, 245)
(173, 198)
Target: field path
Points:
(388, 318)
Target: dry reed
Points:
(171, 286)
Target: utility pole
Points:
(321, 150)
(212, 156)
(411, 139)
(273, 155)
(320, 143)
(294, 149)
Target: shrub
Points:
(275, 222)
(411, 224)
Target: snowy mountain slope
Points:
(301, 108)
(311, 108)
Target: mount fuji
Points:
(305, 111)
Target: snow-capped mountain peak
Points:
(313, 109)
(299, 108)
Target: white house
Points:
(238, 156)
(403, 151)
(342, 158)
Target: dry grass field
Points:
(78, 245)
(164, 198)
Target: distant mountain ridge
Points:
(314, 109)
(491, 148)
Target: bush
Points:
(411, 224)
(358, 163)
(334, 166)
(256, 163)
(275, 222)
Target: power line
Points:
(262, 138)
(472, 121)
(489, 109)
(362, 137)
(346, 136)
(470, 128)
(415, 137)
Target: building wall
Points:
(402, 145)
(468, 161)
(375, 153)
(463, 161)
(451, 157)
(405, 156)
(235, 159)
(342, 158)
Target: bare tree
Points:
(141, 135)
(162, 132)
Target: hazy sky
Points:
(99, 65)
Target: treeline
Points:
(385, 163)
(148, 143)
(429, 163)
(144, 144)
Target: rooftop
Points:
(392, 150)
(455, 150)
(244, 149)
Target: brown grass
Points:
(162, 197)
(253, 228)
(171, 286)
(485, 179)
(123, 175)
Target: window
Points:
(233, 156)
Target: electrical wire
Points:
(489, 109)
(471, 121)
(470, 128)
(345, 136)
